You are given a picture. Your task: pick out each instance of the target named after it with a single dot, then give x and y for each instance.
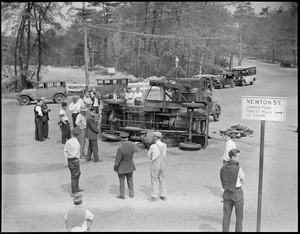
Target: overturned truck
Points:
(179, 108)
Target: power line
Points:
(154, 35)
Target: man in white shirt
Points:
(75, 108)
(232, 177)
(137, 96)
(72, 155)
(64, 124)
(81, 123)
(157, 154)
(129, 97)
(230, 144)
(78, 218)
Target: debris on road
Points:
(238, 131)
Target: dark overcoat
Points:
(124, 159)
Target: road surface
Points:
(36, 186)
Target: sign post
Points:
(262, 108)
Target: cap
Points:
(64, 104)
(77, 198)
(124, 135)
(157, 134)
(83, 109)
(233, 152)
(76, 131)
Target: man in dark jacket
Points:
(91, 133)
(124, 165)
(45, 118)
(38, 120)
(232, 176)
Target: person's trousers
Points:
(45, 128)
(129, 179)
(158, 182)
(38, 128)
(65, 132)
(82, 140)
(74, 167)
(93, 149)
(231, 199)
(74, 115)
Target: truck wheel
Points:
(59, 98)
(217, 112)
(194, 146)
(24, 100)
(113, 101)
(192, 105)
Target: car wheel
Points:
(24, 100)
(217, 112)
(232, 84)
(59, 98)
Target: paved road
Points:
(36, 186)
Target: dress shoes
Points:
(163, 198)
(152, 199)
(131, 196)
(120, 197)
(79, 190)
(73, 195)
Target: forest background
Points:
(142, 38)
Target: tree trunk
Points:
(28, 45)
(201, 62)
(39, 54)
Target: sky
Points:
(258, 5)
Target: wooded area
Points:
(144, 38)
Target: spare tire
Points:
(193, 146)
(192, 105)
(114, 101)
(110, 137)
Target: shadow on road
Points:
(14, 168)
(216, 191)
(207, 227)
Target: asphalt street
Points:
(36, 186)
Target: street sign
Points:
(264, 108)
(111, 70)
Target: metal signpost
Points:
(263, 108)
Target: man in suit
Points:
(45, 111)
(124, 165)
(91, 133)
(38, 115)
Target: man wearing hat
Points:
(124, 165)
(78, 218)
(72, 155)
(81, 123)
(45, 111)
(38, 115)
(232, 177)
(157, 153)
(91, 133)
(75, 108)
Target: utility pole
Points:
(86, 51)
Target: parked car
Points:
(53, 90)
(209, 78)
(223, 79)
(244, 75)
(286, 63)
